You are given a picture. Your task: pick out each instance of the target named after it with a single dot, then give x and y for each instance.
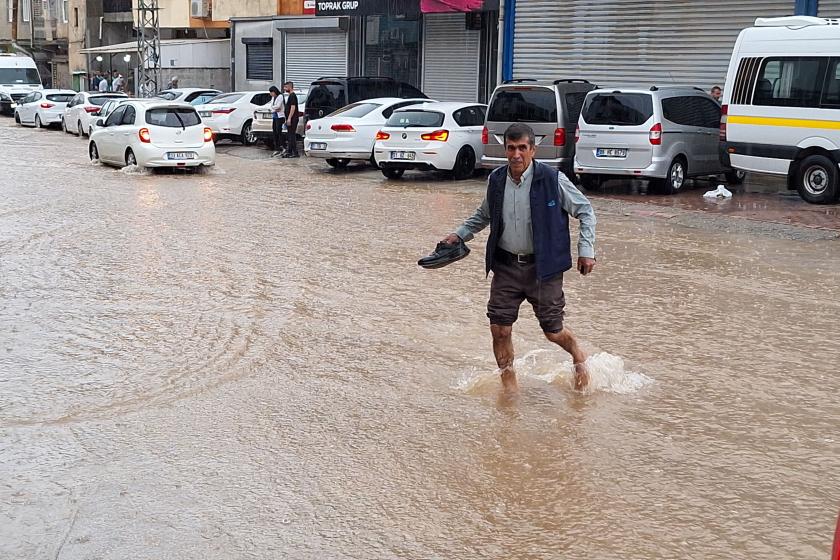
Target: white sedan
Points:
(79, 114)
(153, 133)
(350, 133)
(432, 136)
(43, 108)
(231, 115)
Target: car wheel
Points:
(64, 126)
(93, 151)
(38, 123)
(590, 182)
(247, 137)
(79, 129)
(735, 176)
(393, 172)
(464, 164)
(675, 181)
(17, 117)
(816, 180)
(130, 158)
(338, 163)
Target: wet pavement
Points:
(248, 363)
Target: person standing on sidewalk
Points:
(103, 84)
(278, 110)
(292, 116)
(527, 207)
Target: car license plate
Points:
(264, 115)
(205, 113)
(318, 146)
(13, 105)
(180, 155)
(402, 155)
(611, 152)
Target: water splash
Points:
(135, 170)
(607, 374)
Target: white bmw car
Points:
(350, 133)
(432, 136)
(43, 108)
(153, 133)
(231, 115)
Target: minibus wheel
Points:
(816, 180)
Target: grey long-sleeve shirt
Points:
(518, 237)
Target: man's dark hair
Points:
(290, 84)
(517, 131)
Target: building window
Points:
(26, 8)
(259, 61)
(10, 4)
(64, 10)
(75, 17)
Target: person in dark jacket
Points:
(527, 207)
(292, 117)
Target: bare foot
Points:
(509, 381)
(581, 376)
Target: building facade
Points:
(38, 28)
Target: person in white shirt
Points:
(103, 84)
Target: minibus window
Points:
(791, 82)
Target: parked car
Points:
(153, 133)
(104, 111)
(231, 115)
(78, 115)
(781, 104)
(262, 126)
(551, 109)
(193, 96)
(350, 133)
(327, 95)
(43, 108)
(665, 135)
(18, 78)
(432, 136)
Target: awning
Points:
(132, 46)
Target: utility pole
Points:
(15, 21)
(148, 48)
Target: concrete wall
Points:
(258, 30)
(218, 78)
(226, 9)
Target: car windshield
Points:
(172, 117)
(168, 95)
(407, 119)
(100, 100)
(619, 109)
(326, 94)
(229, 98)
(60, 97)
(523, 105)
(356, 110)
(19, 76)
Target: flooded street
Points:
(248, 363)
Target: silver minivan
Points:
(664, 134)
(551, 109)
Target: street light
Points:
(127, 58)
(99, 58)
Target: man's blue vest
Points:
(549, 221)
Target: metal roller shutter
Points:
(259, 61)
(615, 42)
(450, 58)
(313, 54)
(829, 8)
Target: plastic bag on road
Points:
(720, 192)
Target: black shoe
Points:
(286, 156)
(445, 254)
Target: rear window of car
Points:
(60, 97)
(357, 109)
(172, 117)
(229, 98)
(100, 100)
(523, 105)
(416, 118)
(619, 109)
(326, 94)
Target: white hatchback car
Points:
(350, 133)
(43, 108)
(153, 133)
(231, 115)
(79, 113)
(432, 136)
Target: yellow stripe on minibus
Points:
(777, 121)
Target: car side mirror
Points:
(100, 122)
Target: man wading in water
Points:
(527, 207)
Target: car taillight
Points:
(835, 549)
(656, 134)
(437, 136)
(559, 136)
(485, 136)
(144, 135)
(382, 135)
(724, 112)
(577, 134)
(92, 109)
(225, 111)
(47, 105)
(342, 128)
(208, 134)
(308, 126)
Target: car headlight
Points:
(5, 97)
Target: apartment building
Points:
(38, 28)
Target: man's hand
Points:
(585, 265)
(450, 239)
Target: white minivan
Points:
(18, 78)
(781, 104)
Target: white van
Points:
(18, 78)
(781, 104)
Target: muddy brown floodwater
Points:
(249, 364)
